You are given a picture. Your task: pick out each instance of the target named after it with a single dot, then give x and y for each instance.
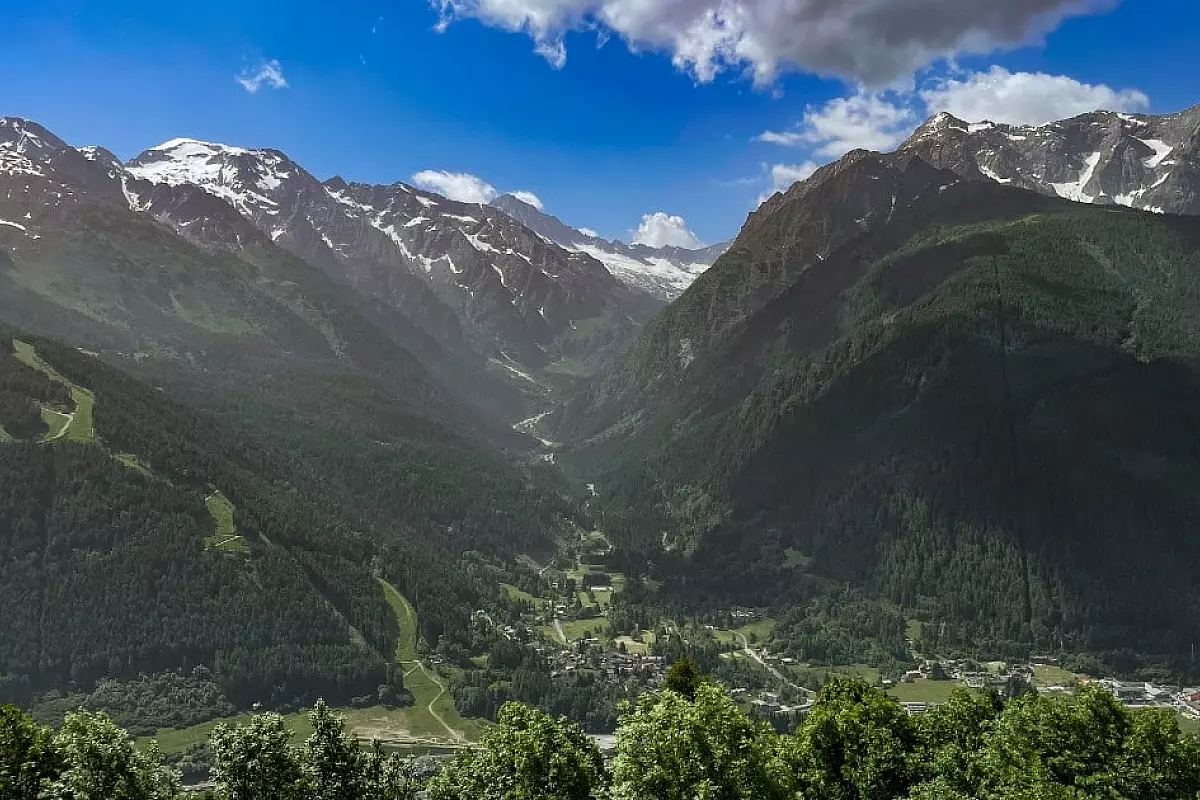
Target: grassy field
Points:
(517, 594)
(406, 620)
(387, 725)
(55, 422)
(924, 691)
(75, 427)
(757, 632)
(1189, 726)
(430, 698)
(582, 628)
(225, 536)
(1052, 676)
(81, 428)
(176, 740)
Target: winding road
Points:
(776, 673)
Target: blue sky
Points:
(633, 122)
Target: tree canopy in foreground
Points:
(856, 743)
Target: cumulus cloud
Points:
(464, 187)
(458, 186)
(782, 176)
(861, 121)
(1025, 98)
(530, 198)
(588, 232)
(875, 42)
(267, 73)
(664, 230)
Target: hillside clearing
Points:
(433, 715)
(75, 426)
(225, 536)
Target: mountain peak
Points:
(1141, 161)
(663, 272)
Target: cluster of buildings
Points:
(967, 673)
(767, 703)
(1149, 695)
(585, 654)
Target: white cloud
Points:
(784, 175)
(529, 198)
(861, 121)
(464, 187)
(871, 41)
(785, 138)
(588, 232)
(664, 230)
(267, 73)
(458, 186)
(1026, 98)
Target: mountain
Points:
(664, 272)
(786, 236)
(466, 274)
(1136, 160)
(963, 400)
(238, 565)
(221, 312)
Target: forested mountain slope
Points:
(142, 537)
(982, 408)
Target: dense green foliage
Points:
(983, 415)
(855, 744)
(529, 755)
(518, 674)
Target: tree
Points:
(1158, 763)
(952, 735)
(1048, 745)
(27, 756)
(529, 755)
(333, 760)
(673, 748)
(99, 760)
(255, 761)
(856, 742)
(336, 768)
(683, 677)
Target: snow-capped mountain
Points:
(42, 174)
(1136, 160)
(664, 272)
(511, 291)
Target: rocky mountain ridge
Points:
(664, 272)
(462, 272)
(1142, 161)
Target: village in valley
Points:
(569, 624)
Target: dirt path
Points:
(455, 735)
(66, 427)
(558, 629)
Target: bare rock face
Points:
(1140, 161)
